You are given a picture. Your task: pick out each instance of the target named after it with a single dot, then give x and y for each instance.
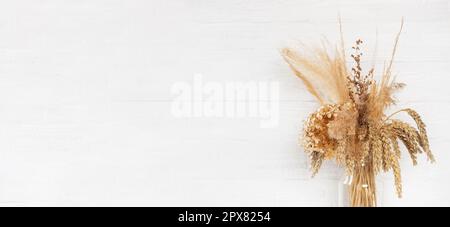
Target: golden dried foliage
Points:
(351, 126)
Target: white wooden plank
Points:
(85, 99)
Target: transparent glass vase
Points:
(369, 194)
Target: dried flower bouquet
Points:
(351, 126)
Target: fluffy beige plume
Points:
(323, 74)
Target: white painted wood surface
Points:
(85, 100)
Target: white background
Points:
(85, 100)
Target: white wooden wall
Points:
(85, 100)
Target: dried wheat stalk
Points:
(351, 126)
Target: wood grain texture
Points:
(85, 99)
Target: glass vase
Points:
(360, 189)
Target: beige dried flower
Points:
(351, 126)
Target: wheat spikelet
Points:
(341, 152)
(409, 136)
(316, 162)
(410, 148)
(423, 138)
(395, 145)
(387, 150)
(376, 149)
(391, 156)
(397, 174)
(350, 166)
(365, 150)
